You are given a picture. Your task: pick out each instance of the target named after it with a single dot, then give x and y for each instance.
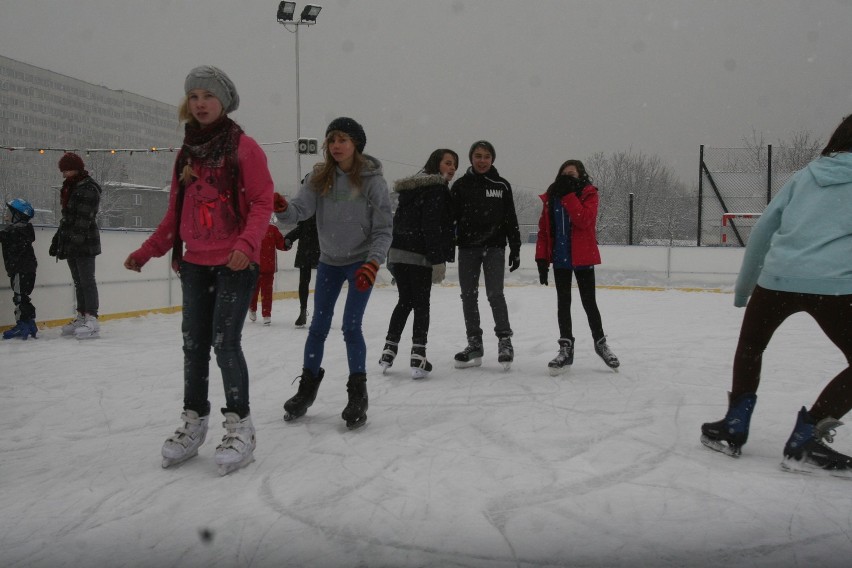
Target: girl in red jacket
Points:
(566, 238)
(219, 207)
(273, 240)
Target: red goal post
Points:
(729, 222)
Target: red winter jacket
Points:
(583, 214)
(273, 239)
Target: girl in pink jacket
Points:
(219, 208)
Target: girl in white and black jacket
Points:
(422, 245)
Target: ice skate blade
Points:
(466, 364)
(721, 447)
(384, 367)
(172, 462)
(288, 417)
(417, 373)
(556, 371)
(507, 365)
(226, 468)
(792, 465)
(94, 335)
(355, 424)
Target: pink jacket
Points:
(208, 226)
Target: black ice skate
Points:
(302, 319)
(388, 355)
(564, 359)
(470, 356)
(298, 405)
(605, 353)
(805, 451)
(355, 413)
(731, 433)
(420, 367)
(505, 352)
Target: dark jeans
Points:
(215, 303)
(586, 286)
(304, 286)
(22, 285)
(765, 312)
(414, 284)
(330, 281)
(85, 286)
(492, 263)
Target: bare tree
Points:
(110, 171)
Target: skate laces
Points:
(826, 429)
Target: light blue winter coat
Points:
(353, 225)
(803, 240)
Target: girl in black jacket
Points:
(422, 245)
(307, 259)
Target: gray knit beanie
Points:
(214, 80)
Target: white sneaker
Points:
(89, 329)
(252, 315)
(69, 328)
(267, 321)
(186, 440)
(237, 447)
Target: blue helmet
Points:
(22, 207)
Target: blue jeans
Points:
(215, 303)
(328, 285)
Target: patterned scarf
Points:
(68, 184)
(213, 146)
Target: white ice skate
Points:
(237, 447)
(89, 329)
(186, 440)
(69, 328)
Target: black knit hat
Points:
(485, 144)
(352, 129)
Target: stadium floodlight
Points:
(310, 13)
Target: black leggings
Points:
(414, 284)
(586, 286)
(304, 286)
(766, 311)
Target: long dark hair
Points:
(433, 164)
(841, 140)
(581, 169)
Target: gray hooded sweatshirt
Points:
(353, 225)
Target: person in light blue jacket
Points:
(349, 196)
(798, 259)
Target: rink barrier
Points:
(157, 289)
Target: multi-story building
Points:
(43, 113)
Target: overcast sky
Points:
(543, 80)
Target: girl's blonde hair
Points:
(323, 178)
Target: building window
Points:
(137, 221)
(137, 199)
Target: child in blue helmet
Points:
(17, 237)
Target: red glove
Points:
(365, 276)
(279, 203)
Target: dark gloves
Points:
(543, 271)
(279, 203)
(365, 276)
(54, 245)
(567, 184)
(288, 244)
(514, 261)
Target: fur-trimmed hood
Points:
(418, 181)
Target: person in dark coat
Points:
(16, 238)
(422, 245)
(78, 241)
(307, 259)
(485, 222)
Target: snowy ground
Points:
(474, 467)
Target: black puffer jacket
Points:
(18, 254)
(423, 222)
(78, 234)
(485, 211)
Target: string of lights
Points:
(131, 151)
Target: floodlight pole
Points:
(296, 25)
